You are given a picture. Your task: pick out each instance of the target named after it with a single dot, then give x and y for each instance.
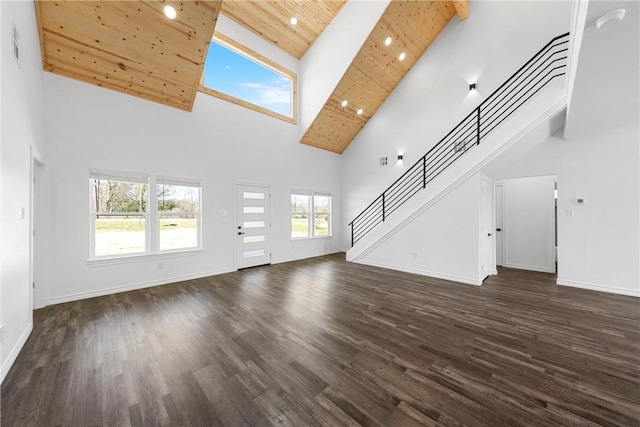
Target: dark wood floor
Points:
(326, 342)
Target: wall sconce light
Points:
(472, 86)
(400, 156)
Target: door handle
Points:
(488, 234)
(240, 232)
(498, 229)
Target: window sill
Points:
(99, 262)
(203, 89)
(297, 239)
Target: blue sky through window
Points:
(234, 74)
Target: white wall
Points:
(442, 241)
(22, 133)
(528, 223)
(599, 246)
(219, 142)
(488, 47)
(326, 61)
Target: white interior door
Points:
(486, 230)
(498, 196)
(253, 230)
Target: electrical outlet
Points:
(160, 265)
(414, 255)
(1, 334)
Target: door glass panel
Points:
(253, 209)
(253, 224)
(253, 254)
(252, 239)
(250, 195)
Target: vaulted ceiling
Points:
(271, 20)
(377, 69)
(130, 46)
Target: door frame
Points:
(486, 223)
(236, 208)
(35, 200)
(499, 238)
(552, 181)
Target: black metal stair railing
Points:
(550, 62)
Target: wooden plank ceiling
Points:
(271, 20)
(377, 69)
(129, 46)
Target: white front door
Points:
(253, 228)
(486, 230)
(498, 195)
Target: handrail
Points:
(547, 64)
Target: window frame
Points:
(261, 60)
(164, 180)
(138, 178)
(151, 216)
(329, 214)
(312, 214)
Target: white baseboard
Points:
(149, 284)
(600, 288)
(529, 268)
(452, 278)
(15, 351)
(133, 287)
(306, 256)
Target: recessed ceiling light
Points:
(294, 21)
(387, 41)
(344, 103)
(359, 111)
(402, 56)
(170, 12)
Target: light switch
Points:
(570, 212)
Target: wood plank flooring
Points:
(323, 342)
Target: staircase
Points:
(539, 72)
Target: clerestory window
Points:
(237, 74)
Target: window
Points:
(300, 218)
(321, 215)
(178, 215)
(119, 214)
(310, 215)
(126, 221)
(239, 75)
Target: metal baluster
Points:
(478, 128)
(424, 172)
(383, 207)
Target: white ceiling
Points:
(606, 93)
